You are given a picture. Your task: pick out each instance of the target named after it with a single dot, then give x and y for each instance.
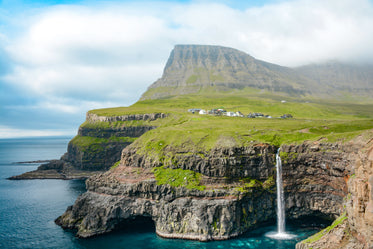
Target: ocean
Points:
(28, 209)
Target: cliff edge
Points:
(215, 195)
(97, 146)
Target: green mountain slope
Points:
(203, 69)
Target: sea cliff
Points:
(231, 201)
(97, 146)
(354, 227)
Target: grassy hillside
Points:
(250, 100)
(313, 120)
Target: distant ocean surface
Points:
(28, 209)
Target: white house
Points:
(202, 112)
(231, 114)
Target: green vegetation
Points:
(323, 232)
(193, 133)
(115, 165)
(116, 124)
(269, 183)
(247, 100)
(178, 178)
(94, 144)
(285, 156)
(248, 184)
(192, 79)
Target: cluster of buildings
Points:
(222, 112)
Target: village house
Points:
(194, 110)
(202, 112)
(222, 112)
(231, 114)
(287, 116)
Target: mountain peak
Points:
(183, 57)
(192, 68)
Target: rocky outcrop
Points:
(315, 184)
(192, 68)
(315, 176)
(92, 117)
(95, 156)
(96, 148)
(125, 131)
(229, 163)
(55, 169)
(112, 200)
(357, 230)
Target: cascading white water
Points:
(280, 234)
(280, 196)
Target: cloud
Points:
(93, 55)
(289, 33)
(72, 58)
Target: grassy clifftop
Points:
(313, 120)
(251, 100)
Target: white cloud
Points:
(78, 57)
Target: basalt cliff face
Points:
(220, 211)
(355, 227)
(97, 146)
(239, 191)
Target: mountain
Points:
(193, 69)
(341, 78)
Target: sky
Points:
(61, 58)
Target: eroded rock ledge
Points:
(314, 178)
(91, 117)
(112, 199)
(96, 147)
(356, 231)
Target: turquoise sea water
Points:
(28, 209)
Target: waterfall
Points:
(280, 234)
(280, 196)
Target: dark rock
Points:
(81, 162)
(314, 182)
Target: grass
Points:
(325, 231)
(313, 120)
(178, 178)
(85, 143)
(249, 100)
(248, 184)
(115, 165)
(118, 124)
(203, 133)
(192, 79)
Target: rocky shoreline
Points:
(112, 199)
(94, 149)
(54, 169)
